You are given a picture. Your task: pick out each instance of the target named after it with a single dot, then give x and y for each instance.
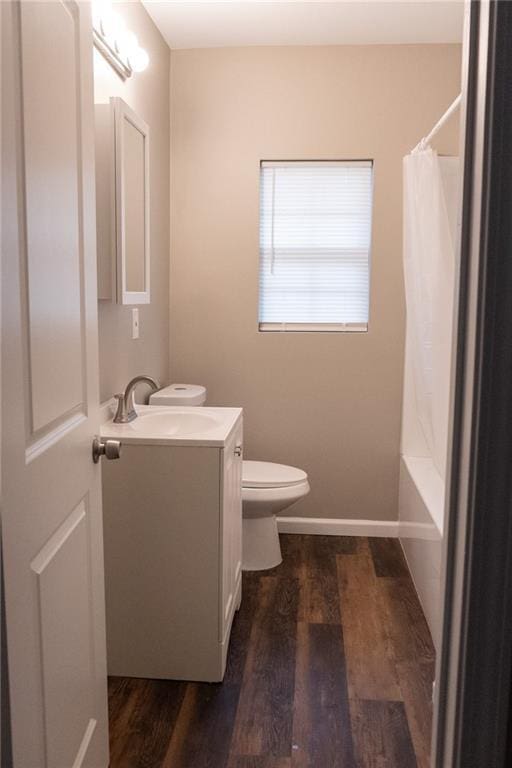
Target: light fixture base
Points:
(122, 69)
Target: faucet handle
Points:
(120, 417)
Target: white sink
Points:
(175, 425)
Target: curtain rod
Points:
(442, 120)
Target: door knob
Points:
(110, 449)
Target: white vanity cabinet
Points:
(173, 552)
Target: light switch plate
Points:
(135, 323)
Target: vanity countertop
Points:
(175, 425)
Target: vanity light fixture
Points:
(117, 44)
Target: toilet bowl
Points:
(267, 490)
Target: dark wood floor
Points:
(330, 666)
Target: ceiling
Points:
(213, 24)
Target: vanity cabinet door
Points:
(231, 530)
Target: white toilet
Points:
(267, 489)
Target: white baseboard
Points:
(337, 527)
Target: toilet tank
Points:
(179, 394)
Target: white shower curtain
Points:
(429, 266)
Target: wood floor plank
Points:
(388, 557)
(202, 734)
(319, 601)
(293, 565)
(123, 693)
(416, 680)
(381, 735)
(409, 632)
(260, 761)
(302, 554)
(371, 671)
(264, 717)
(121, 698)
(334, 545)
(146, 730)
(321, 722)
(312, 560)
(242, 628)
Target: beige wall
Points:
(329, 403)
(147, 93)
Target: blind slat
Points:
(315, 233)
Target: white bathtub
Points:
(421, 505)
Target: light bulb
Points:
(123, 43)
(139, 60)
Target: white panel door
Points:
(51, 507)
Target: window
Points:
(315, 233)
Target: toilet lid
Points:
(265, 474)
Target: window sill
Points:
(313, 327)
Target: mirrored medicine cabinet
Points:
(122, 204)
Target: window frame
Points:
(318, 327)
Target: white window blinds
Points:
(315, 233)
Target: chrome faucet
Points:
(125, 400)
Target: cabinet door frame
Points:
(230, 538)
(124, 114)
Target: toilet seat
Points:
(266, 474)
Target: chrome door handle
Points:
(110, 449)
